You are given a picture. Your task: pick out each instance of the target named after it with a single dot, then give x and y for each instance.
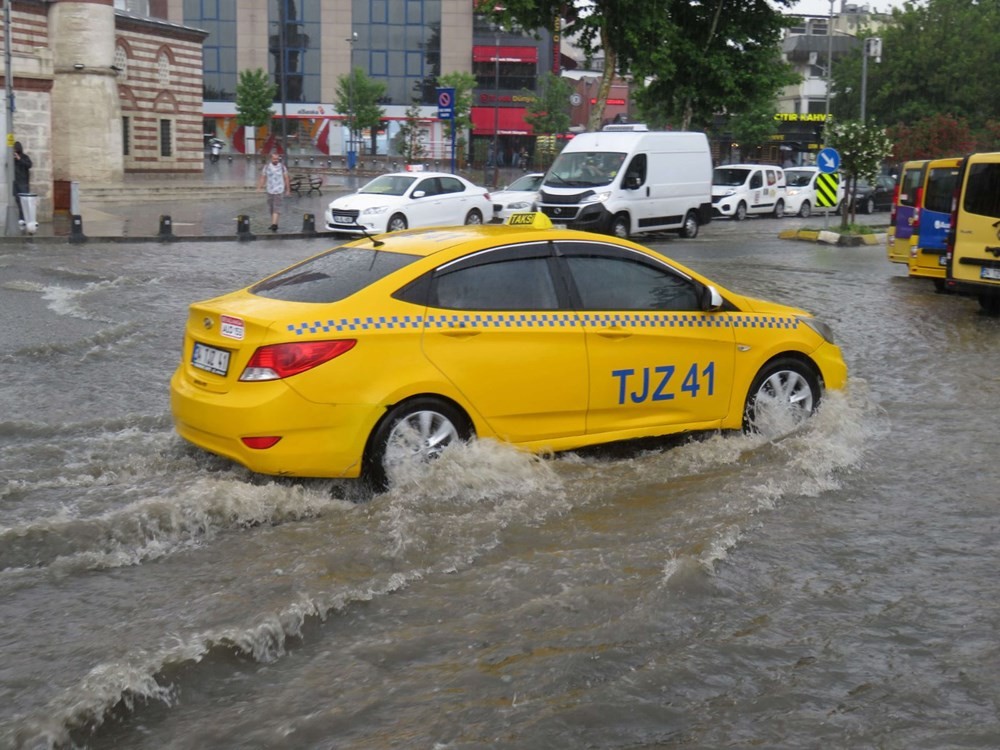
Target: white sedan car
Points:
(399, 200)
(520, 195)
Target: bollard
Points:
(76, 234)
(243, 228)
(166, 228)
(308, 224)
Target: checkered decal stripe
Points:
(542, 321)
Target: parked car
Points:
(520, 195)
(877, 196)
(374, 356)
(739, 190)
(800, 191)
(400, 200)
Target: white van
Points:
(628, 180)
(739, 190)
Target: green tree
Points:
(548, 112)
(410, 139)
(706, 55)
(938, 58)
(359, 97)
(862, 148)
(254, 98)
(933, 137)
(754, 126)
(463, 83)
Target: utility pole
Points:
(351, 156)
(872, 48)
(11, 225)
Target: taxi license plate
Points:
(209, 358)
(990, 273)
(343, 220)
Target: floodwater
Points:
(836, 588)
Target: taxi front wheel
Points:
(784, 394)
(412, 433)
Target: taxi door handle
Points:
(461, 333)
(615, 334)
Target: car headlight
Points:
(374, 210)
(793, 192)
(518, 205)
(819, 327)
(597, 197)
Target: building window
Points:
(121, 62)
(166, 138)
(163, 69)
(294, 45)
(218, 18)
(400, 42)
(126, 135)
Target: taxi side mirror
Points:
(711, 300)
(418, 194)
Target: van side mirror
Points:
(632, 182)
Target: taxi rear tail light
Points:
(919, 203)
(277, 361)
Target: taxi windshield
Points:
(388, 184)
(584, 169)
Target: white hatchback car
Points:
(800, 191)
(520, 195)
(400, 200)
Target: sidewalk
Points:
(203, 207)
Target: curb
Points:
(833, 238)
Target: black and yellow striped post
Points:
(826, 189)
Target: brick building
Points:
(100, 92)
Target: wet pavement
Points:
(221, 204)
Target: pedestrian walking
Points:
(274, 178)
(22, 177)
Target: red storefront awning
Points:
(509, 120)
(488, 53)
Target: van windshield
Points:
(584, 169)
(729, 176)
(798, 177)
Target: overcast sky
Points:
(822, 7)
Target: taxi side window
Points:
(511, 277)
(450, 185)
(429, 186)
(618, 280)
(757, 180)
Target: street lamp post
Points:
(283, 81)
(829, 67)
(351, 154)
(872, 48)
(496, 110)
(11, 226)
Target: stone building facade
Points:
(100, 93)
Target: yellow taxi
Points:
(380, 353)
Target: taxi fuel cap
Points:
(534, 219)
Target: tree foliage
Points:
(359, 97)
(463, 83)
(933, 137)
(863, 148)
(254, 98)
(938, 58)
(549, 112)
(410, 139)
(703, 57)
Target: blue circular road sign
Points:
(828, 160)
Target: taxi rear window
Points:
(332, 276)
(982, 190)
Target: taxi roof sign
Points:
(534, 219)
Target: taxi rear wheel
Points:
(779, 209)
(397, 223)
(474, 217)
(805, 209)
(784, 394)
(412, 433)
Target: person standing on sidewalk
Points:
(274, 178)
(22, 176)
